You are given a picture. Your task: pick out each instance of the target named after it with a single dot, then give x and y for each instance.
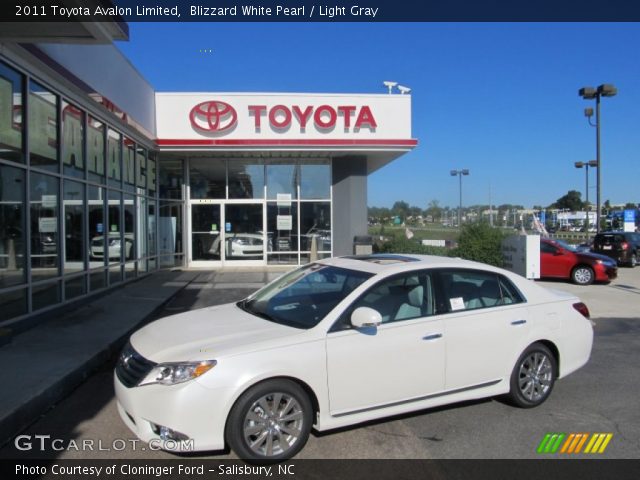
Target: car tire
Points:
(533, 377)
(582, 275)
(270, 422)
(634, 260)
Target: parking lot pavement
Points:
(618, 299)
(600, 397)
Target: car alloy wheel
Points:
(533, 377)
(582, 275)
(270, 422)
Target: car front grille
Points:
(132, 367)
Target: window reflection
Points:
(73, 226)
(315, 180)
(207, 178)
(282, 179)
(12, 220)
(72, 140)
(114, 154)
(315, 223)
(97, 226)
(45, 237)
(171, 178)
(246, 179)
(43, 127)
(10, 114)
(95, 150)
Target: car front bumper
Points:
(191, 409)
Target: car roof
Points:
(396, 263)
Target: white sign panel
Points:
(49, 201)
(247, 117)
(283, 199)
(521, 255)
(48, 225)
(284, 222)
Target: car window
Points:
(474, 289)
(302, 298)
(547, 248)
(401, 297)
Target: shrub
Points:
(482, 243)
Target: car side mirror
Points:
(557, 253)
(363, 317)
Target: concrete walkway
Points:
(44, 364)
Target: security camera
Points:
(390, 85)
(403, 89)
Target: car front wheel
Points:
(533, 377)
(582, 275)
(270, 422)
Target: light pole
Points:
(589, 93)
(586, 165)
(460, 173)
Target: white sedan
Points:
(344, 341)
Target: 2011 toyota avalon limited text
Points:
(343, 341)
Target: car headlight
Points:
(173, 373)
(115, 242)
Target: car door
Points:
(486, 327)
(400, 360)
(555, 261)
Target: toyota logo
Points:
(213, 117)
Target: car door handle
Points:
(433, 336)
(518, 322)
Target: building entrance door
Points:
(226, 232)
(206, 230)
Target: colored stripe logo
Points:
(574, 443)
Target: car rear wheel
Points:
(533, 377)
(270, 422)
(582, 275)
(634, 259)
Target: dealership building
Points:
(103, 179)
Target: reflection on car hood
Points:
(597, 256)
(205, 334)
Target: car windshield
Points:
(302, 298)
(565, 245)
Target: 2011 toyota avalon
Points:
(343, 341)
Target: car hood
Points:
(208, 333)
(596, 256)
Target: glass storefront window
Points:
(170, 228)
(97, 226)
(129, 164)
(12, 225)
(315, 221)
(45, 237)
(171, 179)
(151, 227)
(43, 127)
(143, 223)
(282, 227)
(243, 232)
(95, 150)
(152, 174)
(114, 157)
(246, 178)
(10, 114)
(282, 178)
(113, 250)
(72, 140)
(207, 178)
(73, 226)
(206, 232)
(129, 227)
(315, 180)
(141, 170)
